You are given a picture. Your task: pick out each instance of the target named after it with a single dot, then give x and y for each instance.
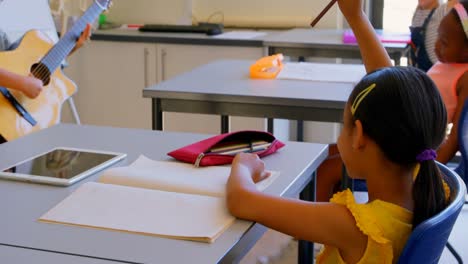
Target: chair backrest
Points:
(428, 239)
(462, 168)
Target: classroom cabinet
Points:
(174, 59)
(111, 76)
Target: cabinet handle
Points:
(145, 58)
(163, 64)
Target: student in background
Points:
(450, 73)
(424, 26)
(393, 122)
(29, 85)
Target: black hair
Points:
(404, 114)
(454, 12)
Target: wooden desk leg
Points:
(157, 114)
(224, 124)
(306, 248)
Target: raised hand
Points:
(351, 8)
(373, 54)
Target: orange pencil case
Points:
(267, 67)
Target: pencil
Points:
(324, 11)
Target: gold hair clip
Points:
(360, 97)
(416, 171)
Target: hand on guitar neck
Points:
(85, 36)
(30, 85)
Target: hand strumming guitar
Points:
(29, 85)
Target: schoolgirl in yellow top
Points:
(393, 122)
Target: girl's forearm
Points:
(374, 55)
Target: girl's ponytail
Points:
(428, 192)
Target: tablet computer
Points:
(61, 166)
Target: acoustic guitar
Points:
(20, 115)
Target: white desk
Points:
(224, 88)
(309, 42)
(23, 203)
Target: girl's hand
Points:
(30, 86)
(85, 36)
(246, 170)
(351, 8)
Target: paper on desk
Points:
(175, 177)
(143, 211)
(324, 72)
(162, 198)
(241, 34)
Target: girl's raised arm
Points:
(373, 54)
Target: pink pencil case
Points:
(221, 149)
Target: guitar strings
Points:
(42, 71)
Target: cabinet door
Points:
(110, 77)
(174, 59)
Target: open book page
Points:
(153, 198)
(325, 72)
(175, 177)
(143, 211)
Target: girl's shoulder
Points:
(386, 225)
(375, 217)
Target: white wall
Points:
(263, 13)
(244, 13)
(15, 19)
(151, 11)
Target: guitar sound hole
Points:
(41, 72)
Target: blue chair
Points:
(462, 168)
(428, 239)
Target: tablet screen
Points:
(63, 163)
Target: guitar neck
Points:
(64, 46)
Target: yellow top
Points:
(386, 225)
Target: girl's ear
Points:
(359, 139)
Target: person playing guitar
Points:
(30, 85)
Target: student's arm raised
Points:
(374, 56)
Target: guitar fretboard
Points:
(64, 46)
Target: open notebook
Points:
(169, 199)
